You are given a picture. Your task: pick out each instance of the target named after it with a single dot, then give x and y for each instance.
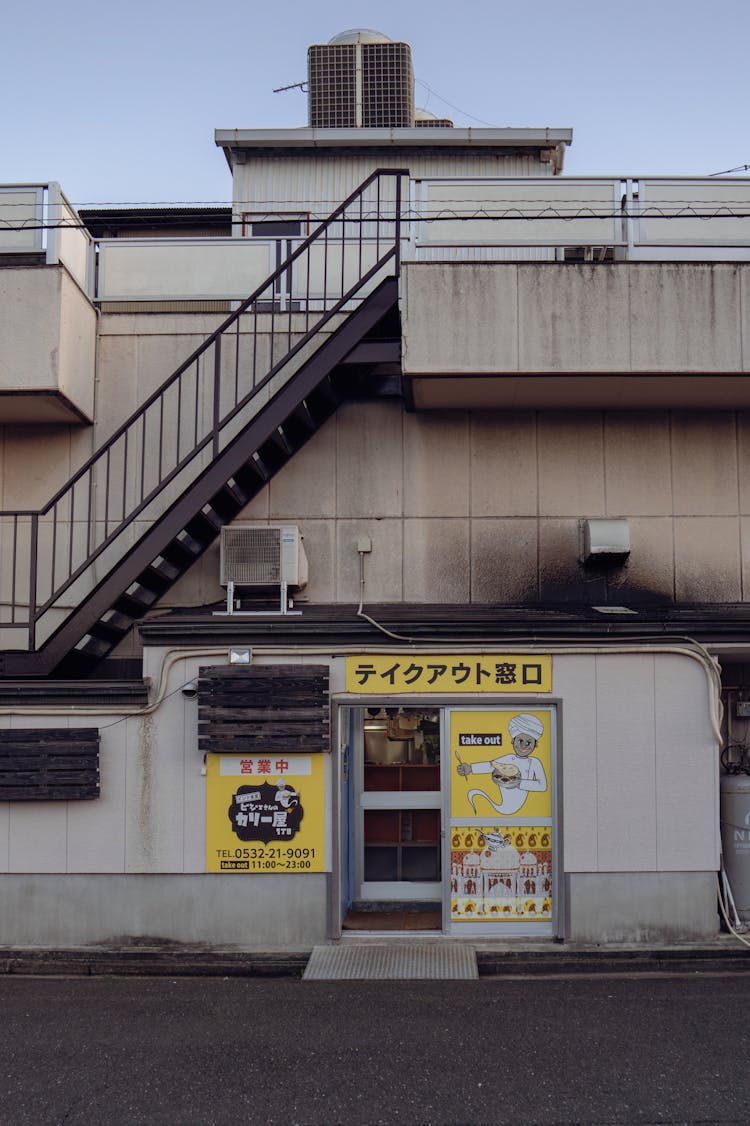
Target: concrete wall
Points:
(132, 863)
(276, 913)
(641, 907)
(603, 317)
(635, 326)
(485, 507)
(639, 779)
(48, 342)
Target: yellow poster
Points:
(265, 813)
(496, 672)
(501, 764)
(501, 873)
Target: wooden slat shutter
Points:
(264, 709)
(49, 764)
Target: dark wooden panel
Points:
(49, 764)
(274, 709)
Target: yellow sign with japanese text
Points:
(265, 813)
(501, 761)
(495, 672)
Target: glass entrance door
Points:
(398, 814)
(459, 806)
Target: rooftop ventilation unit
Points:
(360, 80)
(426, 120)
(262, 556)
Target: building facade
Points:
(412, 584)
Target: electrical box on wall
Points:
(605, 541)
(743, 709)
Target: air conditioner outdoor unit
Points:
(262, 555)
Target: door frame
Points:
(351, 743)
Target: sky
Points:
(119, 101)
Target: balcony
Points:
(47, 318)
(552, 292)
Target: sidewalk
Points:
(723, 955)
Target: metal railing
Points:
(51, 559)
(38, 219)
(649, 218)
(511, 219)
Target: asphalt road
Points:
(107, 1051)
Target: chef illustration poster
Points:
(501, 764)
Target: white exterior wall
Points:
(320, 183)
(640, 764)
(639, 789)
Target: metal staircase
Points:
(77, 574)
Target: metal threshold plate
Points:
(397, 961)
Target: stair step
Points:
(301, 414)
(111, 629)
(273, 456)
(250, 478)
(229, 500)
(280, 439)
(182, 551)
(205, 526)
(135, 602)
(299, 428)
(159, 576)
(92, 649)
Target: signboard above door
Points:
(462, 672)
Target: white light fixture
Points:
(240, 656)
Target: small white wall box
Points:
(262, 555)
(605, 541)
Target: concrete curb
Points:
(561, 960)
(151, 963)
(668, 960)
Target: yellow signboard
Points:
(265, 813)
(501, 761)
(495, 672)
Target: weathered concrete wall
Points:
(282, 913)
(485, 506)
(641, 907)
(560, 323)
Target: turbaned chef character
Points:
(514, 774)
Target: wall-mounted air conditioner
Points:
(262, 555)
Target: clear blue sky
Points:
(119, 101)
